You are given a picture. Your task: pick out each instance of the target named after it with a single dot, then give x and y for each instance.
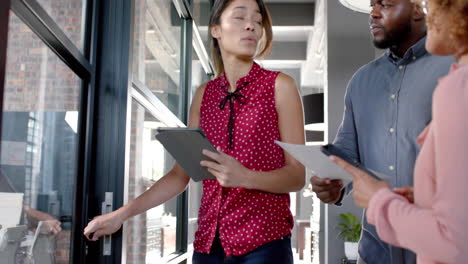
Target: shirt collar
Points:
(252, 75)
(454, 67)
(416, 51)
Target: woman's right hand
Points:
(103, 225)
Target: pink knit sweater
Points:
(435, 227)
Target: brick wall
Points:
(136, 226)
(36, 79)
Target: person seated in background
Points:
(50, 224)
(433, 225)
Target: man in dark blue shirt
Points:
(387, 104)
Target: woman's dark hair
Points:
(217, 10)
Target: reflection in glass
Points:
(68, 14)
(38, 151)
(156, 49)
(201, 10)
(151, 236)
(199, 77)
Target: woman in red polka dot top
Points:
(244, 215)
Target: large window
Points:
(68, 14)
(156, 50)
(151, 236)
(61, 141)
(201, 12)
(39, 150)
(160, 74)
(199, 77)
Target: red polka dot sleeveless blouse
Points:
(245, 125)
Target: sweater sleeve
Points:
(438, 233)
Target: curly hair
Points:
(456, 12)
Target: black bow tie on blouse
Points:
(231, 97)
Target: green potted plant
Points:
(350, 231)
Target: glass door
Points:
(45, 77)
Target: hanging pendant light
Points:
(362, 6)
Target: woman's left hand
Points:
(407, 192)
(364, 186)
(227, 170)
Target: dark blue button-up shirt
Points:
(387, 105)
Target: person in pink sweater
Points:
(432, 220)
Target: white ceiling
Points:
(310, 73)
(305, 65)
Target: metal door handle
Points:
(106, 207)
